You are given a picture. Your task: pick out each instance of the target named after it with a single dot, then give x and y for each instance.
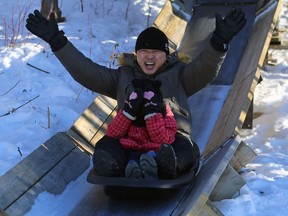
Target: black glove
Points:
(46, 29)
(227, 28)
(153, 100)
(133, 104)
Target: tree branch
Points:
(14, 109)
(38, 68)
(10, 88)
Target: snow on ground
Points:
(97, 32)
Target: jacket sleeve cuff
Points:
(129, 116)
(58, 41)
(149, 116)
(219, 44)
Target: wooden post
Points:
(210, 210)
(242, 157)
(228, 184)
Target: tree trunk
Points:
(51, 6)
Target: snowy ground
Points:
(96, 32)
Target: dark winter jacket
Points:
(179, 80)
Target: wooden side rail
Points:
(49, 168)
(92, 124)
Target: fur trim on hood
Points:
(129, 59)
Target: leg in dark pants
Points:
(187, 154)
(109, 157)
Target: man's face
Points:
(150, 60)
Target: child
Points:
(142, 126)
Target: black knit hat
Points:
(152, 38)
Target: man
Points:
(152, 61)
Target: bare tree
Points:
(49, 6)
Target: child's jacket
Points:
(158, 130)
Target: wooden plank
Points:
(276, 38)
(102, 131)
(205, 107)
(172, 20)
(210, 210)
(278, 47)
(258, 43)
(32, 168)
(237, 103)
(54, 182)
(98, 134)
(229, 183)
(49, 168)
(80, 142)
(248, 122)
(242, 156)
(91, 125)
(198, 195)
(93, 117)
(273, 24)
(233, 113)
(229, 116)
(246, 96)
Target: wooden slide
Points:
(218, 113)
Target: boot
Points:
(148, 166)
(133, 170)
(166, 162)
(105, 164)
